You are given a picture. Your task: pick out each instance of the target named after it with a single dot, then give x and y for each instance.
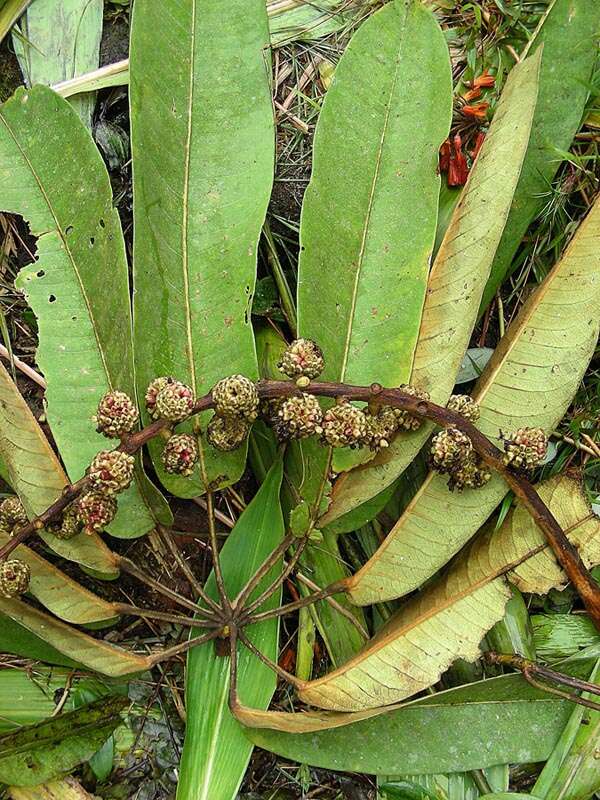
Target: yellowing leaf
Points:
(60, 594)
(530, 381)
(448, 620)
(457, 280)
(93, 653)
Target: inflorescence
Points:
(237, 405)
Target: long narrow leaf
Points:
(568, 36)
(52, 174)
(530, 381)
(502, 720)
(370, 210)
(203, 151)
(458, 276)
(59, 39)
(216, 751)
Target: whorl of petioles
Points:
(111, 471)
(525, 449)
(96, 510)
(303, 358)
(227, 433)
(117, 415)
(464, 405)
(236, 396)
(12, 513)
(344, 425)
(14, 578)
(180, 454)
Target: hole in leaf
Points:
(102, 223)
(52, 298)
(69, 229)
(40, 273)
(92, 240)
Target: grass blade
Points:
(216, 750)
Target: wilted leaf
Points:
(37, 476)
(52, 174)
(569, 38)
(10, 11)
(530, 381)
(216, 752)
(44, 751)
(456, 282)
(447, 620)
(203, 151)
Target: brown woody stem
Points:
(337, 587)
(531, 670)
(566, 554)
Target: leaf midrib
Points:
(395, 634)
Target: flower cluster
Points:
(452, 454)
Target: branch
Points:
(566, 554)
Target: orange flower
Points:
(472, 94)
(458, 169)
(478, 143)
(484, 81)
(477, 112)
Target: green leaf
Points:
(514, 633)
(28, 696)
(456, 282)
(38, 753)
(568, 34)
(366, 235)
(10, 11)
(60, 39)
(448, 619)
(203, 152)
(52, 174)
(481, 717)
(571, 772)
(323, 563)
(77, 646)
(38, 478)
(216, 752)
(560, 635)
(16, 639)
(529, 382)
